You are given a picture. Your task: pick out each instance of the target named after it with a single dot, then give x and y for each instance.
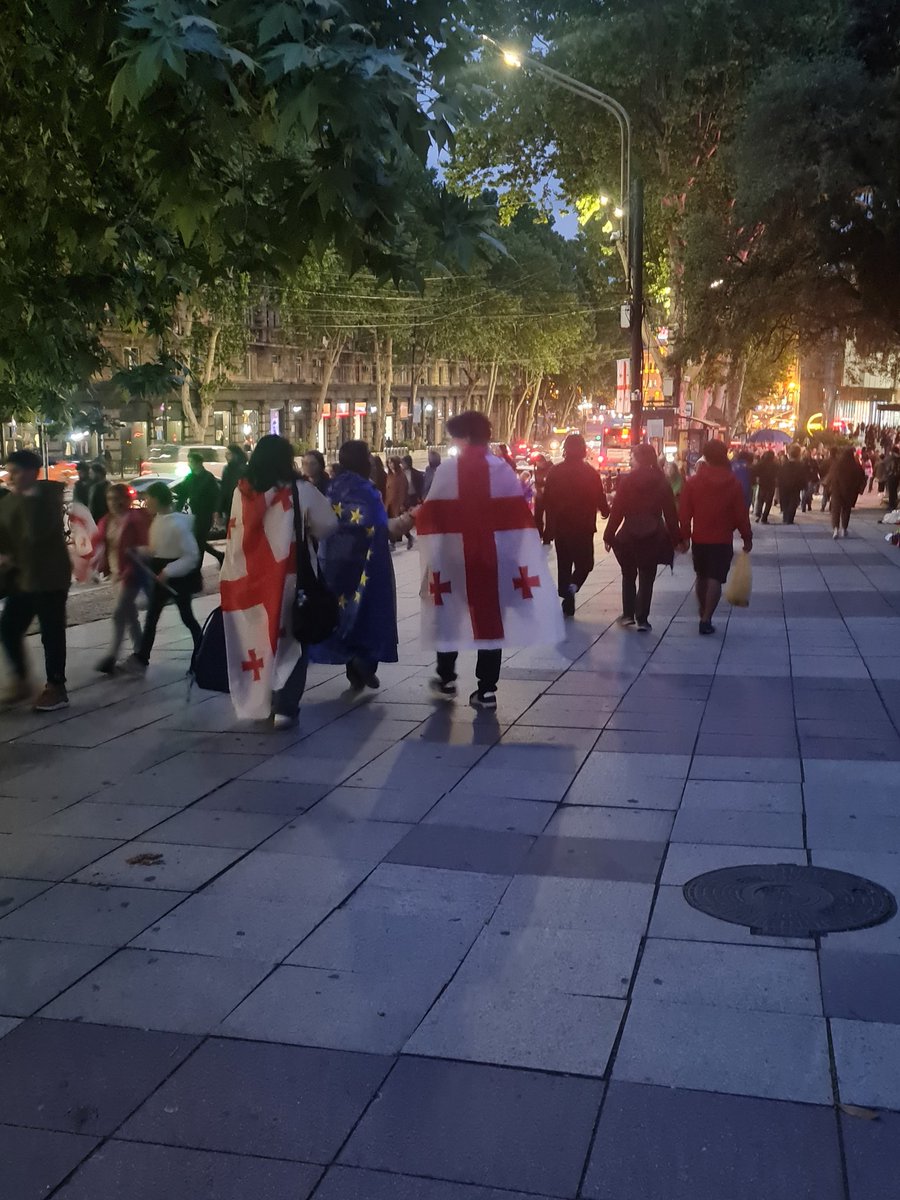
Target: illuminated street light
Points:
(604, 200)
(716, 283)
(511, 58)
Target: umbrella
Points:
(770, 435)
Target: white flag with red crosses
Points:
(485, 580)
(257, 592)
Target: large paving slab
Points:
(409, 951)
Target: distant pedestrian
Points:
(378, 475)
(742, 467)
(573, 495)
(120, 536)
(643, 532)
(485, 583)
(542, 468)
(170, 561)
(765, 476)
(81, 490)
(846, 482)
(791, 482)
(892, 475)
(414, 479)
(35, 571)
(97, 495)
(232, 471)
(711, 509)
(811, 483)
(833, 455)
(397, 492)
(199, 492)
(434, 461)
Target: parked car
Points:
(171, 461)
(138, 487)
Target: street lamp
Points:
(630, 208)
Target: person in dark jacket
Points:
(542, 468)
(766, 477)
(231, 473)
(833, 455)
(36, 575)
(742, 468)
(711, 509)
(97, 496)
(573, 495)
(434, 461)
(81, 491)
(415, 481)
(643, 532)
(378, 475)
(791, 483)
(812, 482)
(199, 491)
(846, 481)
(314, 470)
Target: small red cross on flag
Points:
(525, 582)
(438, 588)
(253, 664)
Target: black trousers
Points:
(790, 502)
(637, 591)
(764, 500)
(487, 667)
(202, 526)
(893, 486)
(574, 559)
(50, 609)
(159, 598)
(840, 512)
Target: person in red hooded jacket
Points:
(712, 507)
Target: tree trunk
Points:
(734, 390)
(332, 357)
(532, 409)
(384, 381)
(492, 388)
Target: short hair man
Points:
(573, 495)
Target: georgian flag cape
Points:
(258, 587)
(485, 581)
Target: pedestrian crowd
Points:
(306, 572)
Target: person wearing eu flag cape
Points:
(356, 565)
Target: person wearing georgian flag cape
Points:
(485, 582)
(266, 666)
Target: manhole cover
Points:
(784, 900)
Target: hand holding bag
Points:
(740, 581)
(316, 612)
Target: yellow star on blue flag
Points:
(363, 580)
(342, 601)
(337, 508)
(370, 530)
(356, 516)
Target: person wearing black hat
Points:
(573, 495)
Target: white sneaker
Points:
(836, 534)
(845, 533)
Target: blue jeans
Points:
(286, 701)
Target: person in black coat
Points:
(642, 532)
(792, 477)
(765, 475)
(573, 495)
(231, 473)
(97, 495)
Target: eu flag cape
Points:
(356, 565)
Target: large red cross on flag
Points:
(257, 590)
(475, 533)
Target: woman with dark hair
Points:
(378, 475)
(642, 532)
(119, 538)
(173, 557)
(357, 568)
(397, 488)
(266, 665)
(231, 473)
(314, 470)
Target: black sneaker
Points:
(568, 606)
(445, 688)
(356, 681)
(106, 666)
(644, 626)
(626, 620)
(483, 699)
(706, 628)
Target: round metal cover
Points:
(784, 900)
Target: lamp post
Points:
(630, 208)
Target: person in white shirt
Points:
(173, 558)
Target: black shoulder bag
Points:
(316, 612)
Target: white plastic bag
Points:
(740, 581)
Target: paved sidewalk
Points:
(410, 952)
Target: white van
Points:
(171, 460)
